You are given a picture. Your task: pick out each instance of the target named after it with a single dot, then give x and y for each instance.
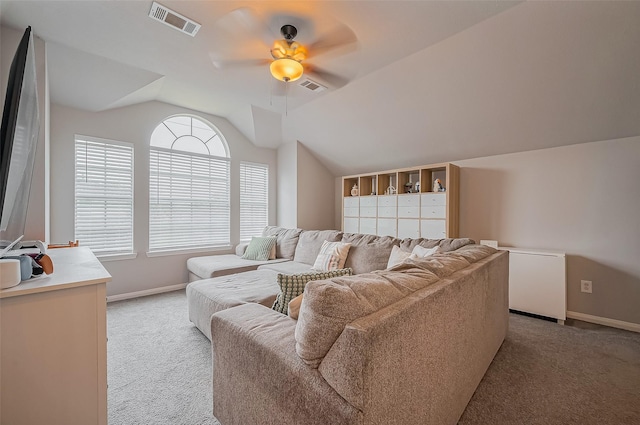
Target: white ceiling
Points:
(430, 81)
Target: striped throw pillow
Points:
(332, 256)
(259, 248)
(292, 285)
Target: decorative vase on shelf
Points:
(354, 190)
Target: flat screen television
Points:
(18, 140)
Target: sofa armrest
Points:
(241, 248)
(257, 374)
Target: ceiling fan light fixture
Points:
(286, 69)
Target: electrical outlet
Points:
(585, 286)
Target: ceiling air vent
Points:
(312, 85)
(173, 19)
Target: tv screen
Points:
(18, 140)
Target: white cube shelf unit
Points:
(401, 203)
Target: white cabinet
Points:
(351, 224)
(53, 356)
(387, 227)
(408, 228)
(368, 206)
(537, 282)
(351, 207)
(368, 226)
(433, 229)
(398, 202)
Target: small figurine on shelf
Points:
(417, 187)
(408, 187)
(354, 190)
(437, 186)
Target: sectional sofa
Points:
(405, 345)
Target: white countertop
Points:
(72, 267)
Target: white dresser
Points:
(537, 282)
(410, 210)
(53, 356)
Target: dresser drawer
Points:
(350, 225)
(368, 211)
(409, 212)
(408, 228)
(387, 227)
(409, 200)
(387, 201)
(352, 202)
(368, 201)
(434, 199)
(368, 226)
(387, 211)
(351, 212)
(433, 211)
(433, 229)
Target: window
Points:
(254, 199)
(104, 195)
(188, 186)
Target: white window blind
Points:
(104, 195)
(188, 200)
(254, 199)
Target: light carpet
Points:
(159, 371)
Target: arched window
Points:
(189, 173)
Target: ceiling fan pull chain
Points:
(286, 99)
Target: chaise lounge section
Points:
(407, 345)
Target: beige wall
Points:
(315, 192)
(135, 124)
(288, 185)
(582, 199)
(37, 213)
(306, 198)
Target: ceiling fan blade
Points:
(340, 36)
(248, 20)
(334, 81)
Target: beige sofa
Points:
(404, 346)
(223, 281)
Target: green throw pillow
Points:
(292, 285)
(259, 248)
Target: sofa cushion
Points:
(328, 305)
(397, 256)
(368, 252)
(287, 240)
(446, 245)
(294, 307)
(224, 264)
(209, 296)
(260, 248)
(310, 241)
(286, 267)
(292, 285)
(332, 256)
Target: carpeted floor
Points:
(159, 371)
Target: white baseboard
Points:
(633, 327)
(146, 292)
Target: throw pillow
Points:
(332, 256)
(397, 256)
(421, 252)
(294, 307)
(260, 248)
(293, 285)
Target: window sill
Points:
(117, 257)
(168, 252)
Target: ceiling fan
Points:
(289, 57)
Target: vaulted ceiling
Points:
(428, 81)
